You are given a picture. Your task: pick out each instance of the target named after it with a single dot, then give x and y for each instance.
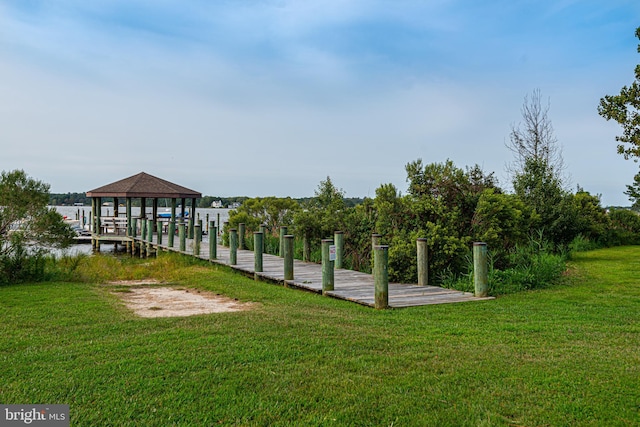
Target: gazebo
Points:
(118, 228)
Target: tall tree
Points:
(533, 139)
(624, 108)
(27, 227)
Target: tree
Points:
(533, 139)
(27, 227)
(633, 191)
(624, 109)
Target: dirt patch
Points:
(169, 302)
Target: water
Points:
(73, 212)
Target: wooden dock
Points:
(348, 284)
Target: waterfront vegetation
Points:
(530, 233)
(563, 355)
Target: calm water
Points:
(73, 212)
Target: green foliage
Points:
(591, 220)
(359, 225)
(633, 191)
(68, 199)
(539, 187)
(531, 265)
(27, 227)
(624, 109)
(625, 228)
(271, 211)
(321, 215)
(501, 220)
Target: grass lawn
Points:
(567, 355)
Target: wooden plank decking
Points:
(348, 284)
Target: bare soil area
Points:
(169, 302)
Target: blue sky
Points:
(263, 98)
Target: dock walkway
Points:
(348, 284)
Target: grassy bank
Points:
(568, 355)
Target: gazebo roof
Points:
(144, 185)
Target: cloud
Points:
(270, 97)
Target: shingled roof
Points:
(144, 185)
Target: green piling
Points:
(233, 246)
(423, 262)
(306, 248)
(191, 221)
(480, 269)
(197, 238)
(241, 233)
(376, 240)
(143, 229)
(381, 276)
(182, 235)
(258, 243)
(327, 267)
(159, 231)
(213, 241)
(339, 242)
(128, 205)
(149, 237)
(263, 230)
(288, 257)
(172, 232)
(283, 232)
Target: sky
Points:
(269, 97)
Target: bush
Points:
(530, 266)
(625, 228)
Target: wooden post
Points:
(263, 230)
(154, 211)
(480, 269)
(218, 222)
(207, 223)
(134, 234)
(288, 257)
(339, 242)
(283, 231)
(381, 276)
(149, 236)
(128, 208)
(143, 207)
(213, 241)
(143, 229)
(423, 262)
(192, 218)
(182, 235)
(306, 248)
(159, 231)
(258, 242)
(99, 215)
(376, 240)
(327, 267)
(233, 246)
(197, 238)
(241, 232)
(171, 232)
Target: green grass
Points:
(565, 355)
